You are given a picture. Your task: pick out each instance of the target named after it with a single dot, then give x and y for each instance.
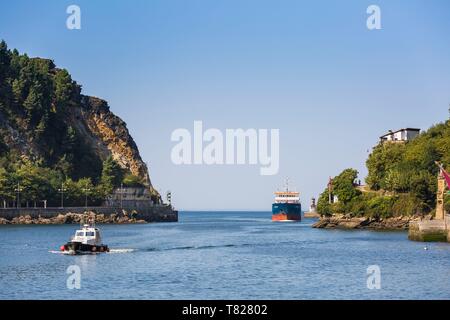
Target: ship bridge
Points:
(287, 197)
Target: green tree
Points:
(380, 206)
(112, 175)
(384, 157)
(33, 104)
(70, 141)
(63, 88)
(6, 185)
(65, 166)
(131, 180)
(5, 59)
(424, 186)
(41, 128)
(3, 147)
(18, 89)
(323, 205)
(36, 182)
(344, 185)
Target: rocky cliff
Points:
(108, 135)
(46, 121)
(100, 130)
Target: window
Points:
(80, 234)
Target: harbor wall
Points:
(430, 231)
(311, 215)
(156, 213)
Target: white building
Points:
(406, 134)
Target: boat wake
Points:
(93, 253)
(121, 250)
(198, 247)
(71, 253)
(56, 251)
(236, 245)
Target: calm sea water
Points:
(223, 255)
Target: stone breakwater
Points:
(430, 230)
(348, 222)
(102, 215)
(70, 218)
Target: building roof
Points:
(404, 129)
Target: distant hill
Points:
(402, 178)
(47, 127)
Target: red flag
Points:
(446, 176)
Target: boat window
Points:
(80, 234)
(89, 234)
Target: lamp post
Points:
(121, 196)
(86, 190)
(62, 190)
(18, 190)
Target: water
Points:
(219, 255)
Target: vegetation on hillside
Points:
(35, 99)
(401, 178)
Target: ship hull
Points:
(286, 212)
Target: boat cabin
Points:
(87, 235)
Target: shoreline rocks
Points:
(75, 218)
(338, 221)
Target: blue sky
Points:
(309, 68)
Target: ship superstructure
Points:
(287, 206)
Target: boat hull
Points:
(81, 248)
(286, 212)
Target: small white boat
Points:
(86, 240)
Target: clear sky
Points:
(309, 68)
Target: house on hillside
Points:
(401, 135)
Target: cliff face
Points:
(45, 119)
(101, 130)
(108, 135)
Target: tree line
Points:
(32, 184)
(401, 180)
